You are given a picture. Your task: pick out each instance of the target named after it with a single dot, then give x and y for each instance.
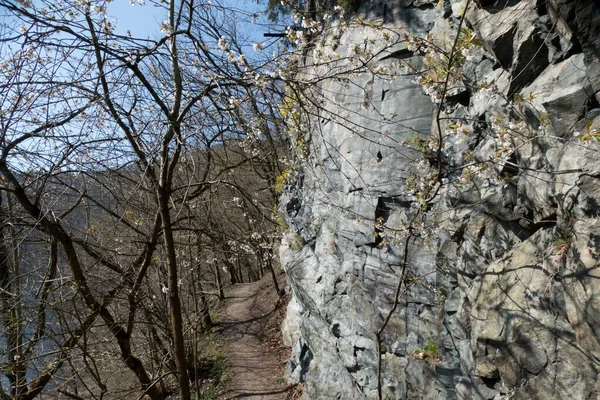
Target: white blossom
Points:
(222, 44)
(258, 47)
(235, 101)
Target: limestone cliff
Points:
(504, 300)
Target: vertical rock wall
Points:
(504, 302)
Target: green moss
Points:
(297, 243)
(280, 181)
(431, 347)
(510, 179)
(279, 220)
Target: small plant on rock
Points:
(562, 245)
(297, 243)
(427, 352)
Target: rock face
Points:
(504, 300)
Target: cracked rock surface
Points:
(509, 290)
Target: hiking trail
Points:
(249, 323)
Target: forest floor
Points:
(249, 324)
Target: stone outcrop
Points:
(504, 301)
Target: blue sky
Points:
(144, 21)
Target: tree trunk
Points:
(280, 292)
(10, 312)
(219, 281)
(174, 300)
(233, 279)
(207, 322)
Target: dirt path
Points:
(249, 321)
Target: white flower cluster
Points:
(420, 188)
(455, 141)
(258, 47)
(222, 43)
(254, 133)
(235, 101)
(310, 24)
(504, 130)
(442, 62)
(238, 247)
(260, 81)
(324, 53)
(295, 35)
(166, 28)
(255, 236)
(232, 56)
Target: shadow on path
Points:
(246, 317)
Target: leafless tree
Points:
(110, 147)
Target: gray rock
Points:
(503, 302)
(290, 327)
(582, 17)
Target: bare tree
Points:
(118, 151)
